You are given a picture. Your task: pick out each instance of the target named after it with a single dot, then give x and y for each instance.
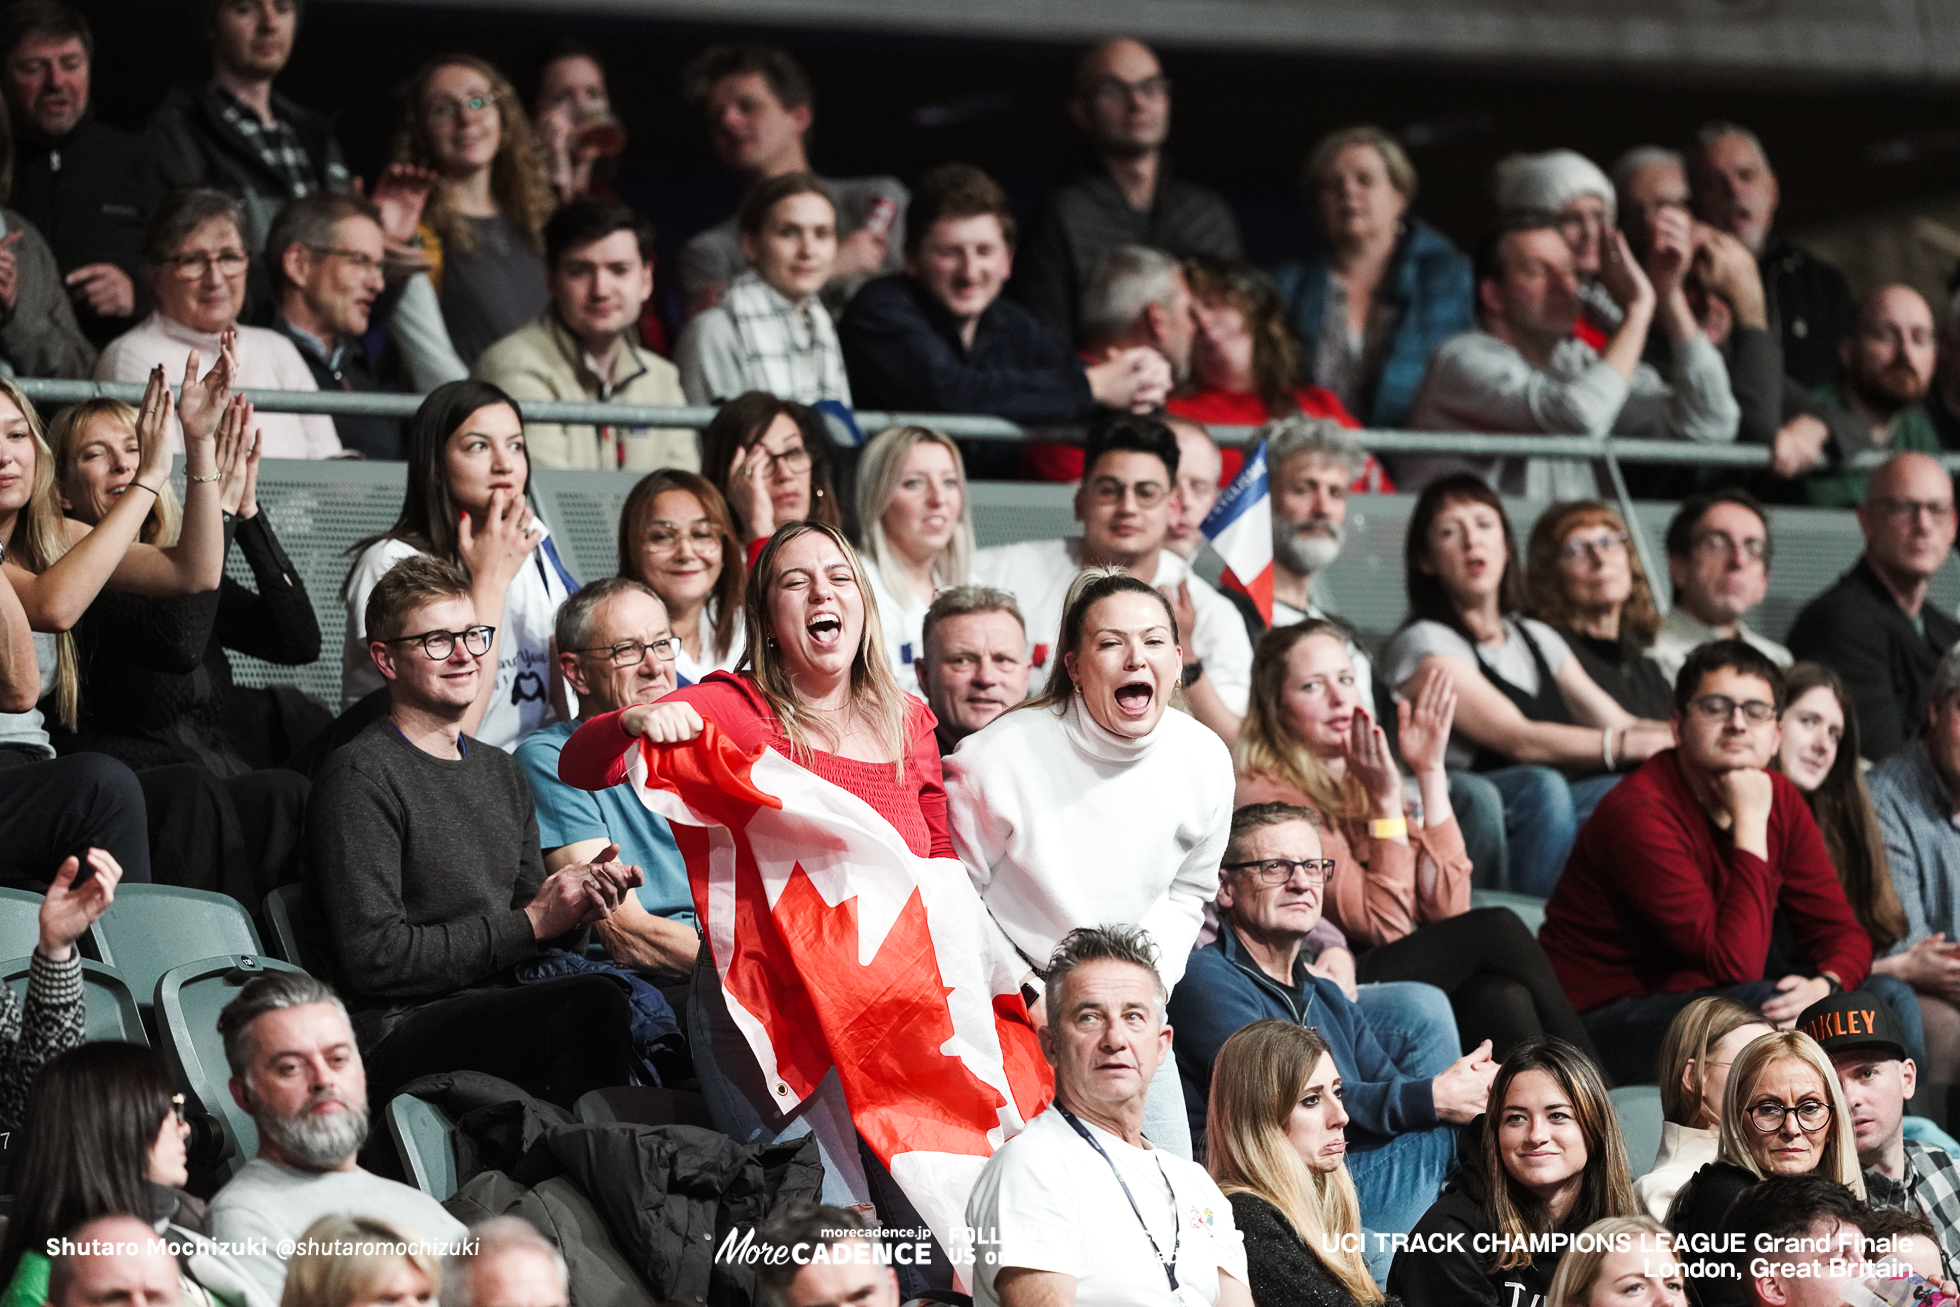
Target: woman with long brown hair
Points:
(1245, 363)
(483, 225)
(1584, 579)
(1549, 1159)
(760, 454)
(678, 539)
(1276, 1135)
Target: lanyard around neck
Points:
(1177, 1234)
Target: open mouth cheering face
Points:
(816, 611)
(1126, 662)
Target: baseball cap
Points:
(1852, 1020)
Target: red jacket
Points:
(1657, 899)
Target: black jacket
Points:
(379, 438)
(1281, 1270)
(1809, 305)
(1858, 629)
(89, 193)
(903, 353)
(1463, 1278)
(1702, 1209)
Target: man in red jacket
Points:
(1672, 885)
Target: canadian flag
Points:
(1240, 528)
(838, 946)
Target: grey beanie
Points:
(1545, 183)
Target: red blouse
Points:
(596, 755)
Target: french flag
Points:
(1240, 528)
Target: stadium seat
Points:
(188, 999)
(112, 1012)
(150, 929)
(635, 1105)
(286, 917)
(423, 1135)
(1639, 1110)
(1529, 907)
(20, 922)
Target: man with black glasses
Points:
(424, 870)
(616, 647)
(1718, 556)
(1673, 883)
(1400, 1089)
(1874, 627)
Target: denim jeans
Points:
(1628, 1031)
(1542, 815)
(1900, 1000)
(1414, 1025)
(1397, 1182)
(1479, 812)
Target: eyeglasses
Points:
(1108, 490)
(793, 461)
(1114, 90)
(1277, 871)
(190, 267)
(364, 261)
(1719, 708)
(447, 110)
(1907, 510)
(1604, 542)
(629, 653)
(667, 539)
(1767, 1116)
(438, 645)
(1721, 542)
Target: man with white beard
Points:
(296, 1069)
(1310, 462)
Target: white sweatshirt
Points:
(1062, 823)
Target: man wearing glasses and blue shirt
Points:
(424, 871)
(616, 648)
(1674, 882)
(1404, 1084)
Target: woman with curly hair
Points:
(483, 226)
(1583, 579)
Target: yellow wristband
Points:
(1389, 828)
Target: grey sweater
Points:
(421, 868)
(41, 338)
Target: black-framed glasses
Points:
(1601, 542)
(627, 653)
(1812, 1115)
(1277, 871)
(359, 258)
(438, 645)
(1721, 542)
(793, 461)
(1719, 708)
(189, 267)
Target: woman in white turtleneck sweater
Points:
(1093, 804)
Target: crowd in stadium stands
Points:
(730, 838)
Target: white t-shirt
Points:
(1511, 660)
(522, 701)
(1047, 1202)
(903, 619)
(1038, 574)
(691, 671)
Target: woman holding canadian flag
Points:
(852, 984)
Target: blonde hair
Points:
(1840, 1159)
(519, 180)
(1267, 745)
(166, 520)
(1255, 1081)
(40, 536)
(315, 1279)
(1690, 1040)
(874, 688)
(1579, 1269)
(879, 468)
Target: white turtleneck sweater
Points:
(1062, 823)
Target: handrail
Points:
(969, 426)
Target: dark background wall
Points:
(1242, 122)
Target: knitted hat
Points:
(1545, 183)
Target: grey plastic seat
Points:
(188, 999)
(643, 1105)
(1529, 908)
(425, 1139)
(150, 929)
(1639, 1110)
(20, 922)
(111, 1008)
(287, 917)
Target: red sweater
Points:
(595, 758)
(1657, 899)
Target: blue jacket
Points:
(1428, 277)
(1223, 992)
